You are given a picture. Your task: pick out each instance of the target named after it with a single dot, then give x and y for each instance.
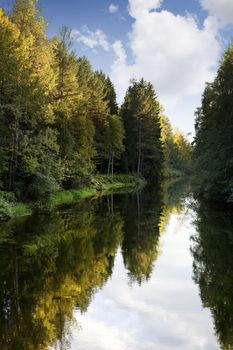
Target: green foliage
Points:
(41, 168)
(75, 129)
(120, 181)
(25, 105)
(22, 209)
(178, 151)
(60, 124)
(109, 93)
(141, 116)
(7, 203)
(114, 138)
(5, 209)
(214, 133)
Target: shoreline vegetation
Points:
(100, 185)
(212, 156)
(60, 123)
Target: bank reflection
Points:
(141, 234)
(213, 267)
(52, 264)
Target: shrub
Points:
(5, 209)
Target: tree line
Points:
(213, 160)
(59, 119)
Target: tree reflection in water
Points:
(53, 264)
(213, 267)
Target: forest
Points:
(60, 123)
(213, 144)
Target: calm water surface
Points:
(137, 271)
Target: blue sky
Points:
(175, 44)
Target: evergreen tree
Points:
(115, 138)
(114, 129)
(99, 112)
(92, 87)
(109, 92)
(214, 133)
(76, 130)
(141, 115)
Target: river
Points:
(143, 271)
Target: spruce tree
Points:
(141, 116)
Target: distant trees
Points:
(214, 135)
(178, 151)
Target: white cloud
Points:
(113, 8)
(169, 50)
(120, 72)
(91, 39)
(172, 51)
(221, 10)
(140, 7)
(120, 52)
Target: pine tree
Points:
(99, 112)
(109, 93)
(75, 127)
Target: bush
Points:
(5, 209)
(7, 201)
(8, 196)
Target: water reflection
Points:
(141, 234)
(52, 267)
(213, 267)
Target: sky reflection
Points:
(163, 313)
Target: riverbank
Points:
(100, 185)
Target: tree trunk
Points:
(139, 149)
(109, 164)
(112, 204)
(16, 285)
(13, 159)
(112, 164)
(139, 215)
(142, 166)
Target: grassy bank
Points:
(100, 185)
